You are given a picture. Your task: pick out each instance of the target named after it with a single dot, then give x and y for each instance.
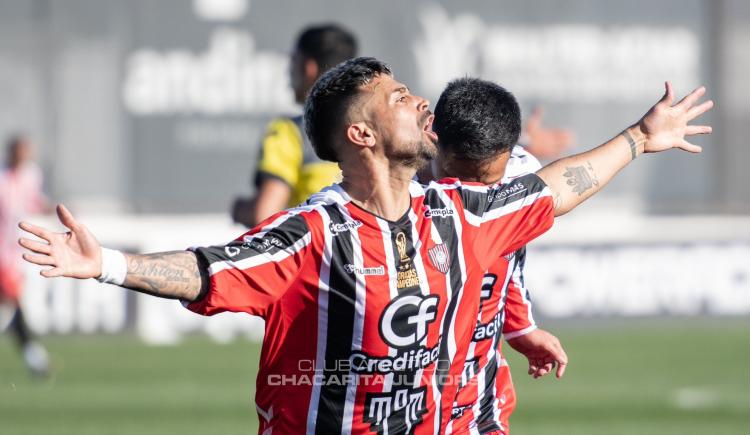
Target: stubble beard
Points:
(413, 155)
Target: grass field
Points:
(625, 377)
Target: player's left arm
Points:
(665, 126)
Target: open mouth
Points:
(427, 128)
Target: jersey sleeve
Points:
(507, 216)
(281, 152)
(518, 317)
(256, 269)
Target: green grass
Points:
(629, 377)
(625, 377)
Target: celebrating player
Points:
(362, 290)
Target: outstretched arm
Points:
(665, 126)
(77, 254)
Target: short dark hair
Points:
(327, 44)
(476, 119)
(330, 97)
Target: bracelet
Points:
(114, 267)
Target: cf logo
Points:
(405, 319)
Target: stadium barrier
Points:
(587, 266)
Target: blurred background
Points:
(147, 117)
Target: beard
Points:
(414, 155)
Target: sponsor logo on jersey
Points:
(488, 283)
(502, 194)
(262, 244)
(402, 409)
(405, 320)
(440, 258)
(357, 270)
(471, 368)
(483, 331)
(232, 251)
(405, 361)
(337, 229)
(458, 411)
(438, 212)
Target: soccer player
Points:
(470, 141)
(365, 291)
(288, 170)
(20, 196)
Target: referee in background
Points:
(288, 170)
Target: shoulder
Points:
(521, 162)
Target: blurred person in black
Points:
(288, 170)
(20, 196)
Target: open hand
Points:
(665, 126)
(74, 254)
(543, 350)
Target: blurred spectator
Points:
(20, 196)
(288, 169)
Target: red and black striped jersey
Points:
(368, 320)
(504, 311)
(483, 402)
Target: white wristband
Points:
(114, 267)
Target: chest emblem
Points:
(440, 258)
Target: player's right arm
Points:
(248, 274)
(78, 254)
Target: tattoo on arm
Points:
(633, 145)
(581, 178)
(557, 201)
(175, 275)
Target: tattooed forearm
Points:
(557, 201)
(175, 275)
(633, 145)
(574, 179)
(581, 178)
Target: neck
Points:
(378, 186)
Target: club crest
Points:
(439, 257)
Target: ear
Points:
(312, 70)
(360, 134)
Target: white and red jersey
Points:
(486, 397)
(367, 320)
(20, 196)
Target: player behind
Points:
(288, 170)
(342, 354)
(20, 196)
(471, 144)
